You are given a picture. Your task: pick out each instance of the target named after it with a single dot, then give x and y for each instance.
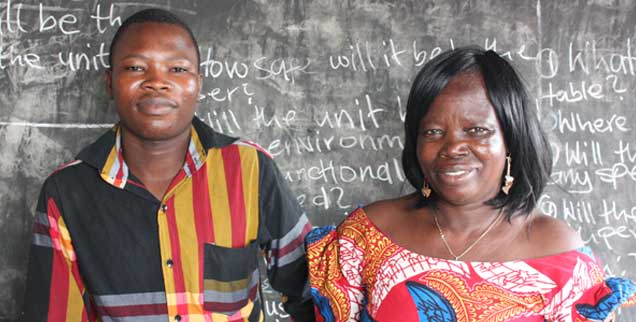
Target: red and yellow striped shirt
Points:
(106, 249)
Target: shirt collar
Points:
(106, 153)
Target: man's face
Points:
(154, 80)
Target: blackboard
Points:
(323, 84)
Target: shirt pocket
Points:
(230, 277)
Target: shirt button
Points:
(169, 263)
(164, 207)
(177, 317)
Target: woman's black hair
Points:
(151, 15)
(526, 143)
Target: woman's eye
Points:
(432, 132)
(478, 130)
(134, 68)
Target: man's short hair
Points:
(151, 15)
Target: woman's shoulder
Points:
(547, 236)
(360, 227)
(384, 214)
(354, 227)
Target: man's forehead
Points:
(172, 37)
(154, 30)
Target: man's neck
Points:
(155, 163)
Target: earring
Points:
(426, 190)
(508, 179)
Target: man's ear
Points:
(200, 82)
(108, 80)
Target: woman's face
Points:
(460, 145)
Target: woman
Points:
(470, 245)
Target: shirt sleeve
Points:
(591, 296)
(335, 271)
(54, 291)
(600, 302)
(283, 228)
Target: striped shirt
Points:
(105, 249)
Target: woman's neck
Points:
(466, 219)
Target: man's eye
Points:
(179, 69)
(135, 68)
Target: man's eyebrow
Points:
(178, 58)
(170, 58)
(135, 56)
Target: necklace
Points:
(470, 247)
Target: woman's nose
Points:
(455, 146)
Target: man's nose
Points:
(156, 80)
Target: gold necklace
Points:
(470, 247)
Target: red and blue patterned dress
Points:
(358, 274)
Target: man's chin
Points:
(158, 132)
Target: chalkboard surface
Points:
(323, 84)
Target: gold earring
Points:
(426, 190)
(508, 179)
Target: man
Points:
(163, 219)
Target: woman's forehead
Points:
(465, 95)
